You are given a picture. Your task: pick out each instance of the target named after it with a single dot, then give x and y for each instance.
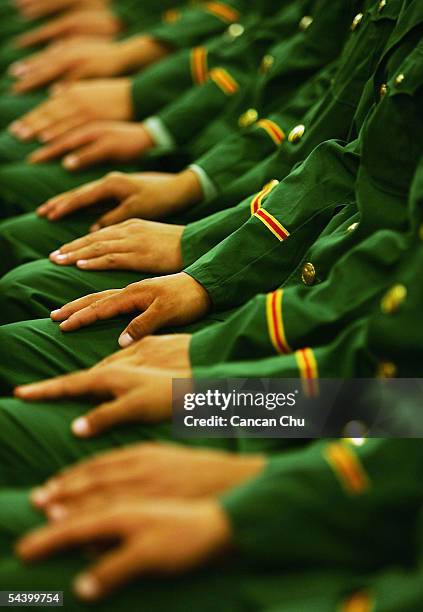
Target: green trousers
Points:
(27, 237)
(227, 587)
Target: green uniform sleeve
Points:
(283, 517)
(189, 26)
(291, 317)
(221, 87)
(267, 135)
(271, 243)
(160, 84)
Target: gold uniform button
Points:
(235, 30)
(393, 299)
(386, 369)
(305, 23)
(381, 6)
(296, 133)
(351, 228)
(248, 118)
(266, 63)
(399, 79)
(356, 21)
(308, 273)
(383, 90)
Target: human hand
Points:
(74, 59)
(97, 142)
(171, 300)
(82, 57)
(134, 394)
(35, 9)
(144, 246)
(151, 470)
(72, 105)
(88, 21)
(153, 537)
(149, 195)
(165, 351)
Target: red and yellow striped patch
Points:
(257, 200)
(347, 468)
(222, 11)
(309, 372)
(273, 130)
(199, 68)
(171, 15)
(272, 224)
(275, 323)
(359, 602)
(224, 81)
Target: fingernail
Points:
(54, 313)
(55, 253)
(56, 512)
(87, 586)
(125, 340)
(22, 132)
(39, 497)
(82, 263)
(52, 487)
(25, 390)
(81, 427)
(15, 126)
(71, 161)
(62, 257)
(17, 69)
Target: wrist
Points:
(199, 299)
(139, 51)
(144, 140)
(189, 190)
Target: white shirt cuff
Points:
(207, 185)
(159, 132)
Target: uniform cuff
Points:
(159, 132)
(207, 185)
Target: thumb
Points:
(104, 417)
(124, 211)
(143, 325)
(113, 571)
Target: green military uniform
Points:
(331, 115)
(161, 83)
(132, 15)
(190, 25)
(364, 340)
(296, 58)
(268, 254)
(30, 343)
(280, 506)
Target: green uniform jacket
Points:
(266, 250)
(237, 50)
(259, 157)
(294, 60)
